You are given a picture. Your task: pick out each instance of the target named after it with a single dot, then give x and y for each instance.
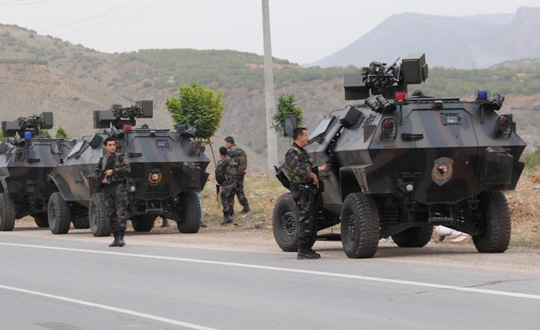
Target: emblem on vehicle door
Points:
(154, 177)
(442, 170)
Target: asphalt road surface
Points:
(48, 283)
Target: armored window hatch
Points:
(77, 149)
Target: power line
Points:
(93, 17)
(134, 15)
(148, 18)
(121, 18)
(16, 3)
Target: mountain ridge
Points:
(465, 42)
(44, 73)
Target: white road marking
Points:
(292, 270)
(109, 308)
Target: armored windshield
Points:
(321, 128)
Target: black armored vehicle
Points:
(402, 163)
(26, 160)
(167, 169)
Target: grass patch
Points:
(260, 192)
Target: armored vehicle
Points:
(167, 169)
(402, 163)
(26, 161)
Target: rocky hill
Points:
(43, 73)
(454, 42)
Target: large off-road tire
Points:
(81, 222)
(143, 222)
(497, 223)
(59, 214)
(97, 214)
(7, 213)
(190, 213)
(360, 230)
(41, 220)
(285, 223)
(413, 237)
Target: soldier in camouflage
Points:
(115, 168)
(226, 174)
(240, 158)
(303, 180)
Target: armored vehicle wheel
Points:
(190, 213)
(81, 222)
(7, 213)
(285, 223)
(41, 220)
(97, 214)
(497, 223)
(413, 237)
(59, 214)
(143, 222)
(359, 226)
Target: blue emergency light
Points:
(482, 95)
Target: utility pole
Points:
(271, 137)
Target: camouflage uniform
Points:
(240, 158)
(226, 174)
(116, 198)
(298, 166)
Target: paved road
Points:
(68, 285)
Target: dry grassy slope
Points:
(78, 80)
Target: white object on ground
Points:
(448, 233)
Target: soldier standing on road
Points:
(299, 167)
(226, 174)
(240, 158)
(116, 169)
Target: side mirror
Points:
(291, 122)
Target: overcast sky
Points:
(303, 31)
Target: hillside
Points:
(454, 42)
(43, 73)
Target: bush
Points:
(286, 107)
(531, 160)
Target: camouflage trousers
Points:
(307, 227)
(239, 191)
(227, 198)
(116, 202)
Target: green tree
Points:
(286, 107)
(198, 107)
(61, 133)
(44, 133)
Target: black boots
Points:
(307, 254)
(115, 242)
(118, 239)
(121, 238)
(246, 208)
(227, 219)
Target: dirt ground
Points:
(523, 254)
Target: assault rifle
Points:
(100, 175)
